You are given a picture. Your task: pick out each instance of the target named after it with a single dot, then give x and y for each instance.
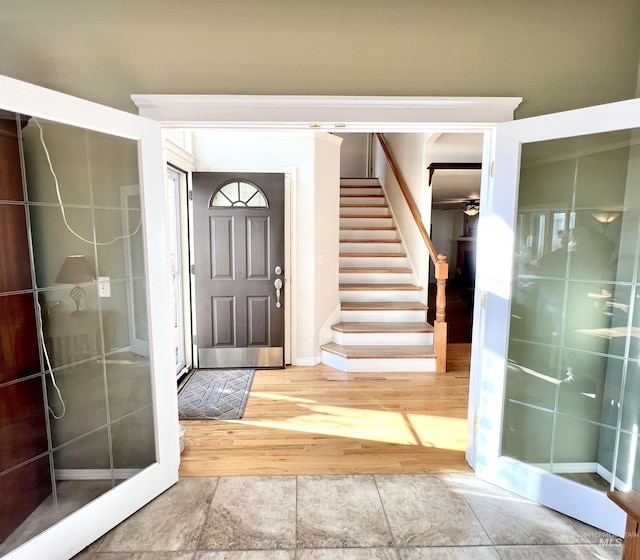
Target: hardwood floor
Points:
(319, 420)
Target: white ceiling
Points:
(452, 187)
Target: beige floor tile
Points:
(251, 513)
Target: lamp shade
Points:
(75, 270)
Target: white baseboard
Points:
(562, 468)
(95, 474)
(587, 467)
(608, 476)
(314, 361)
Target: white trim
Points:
(328, 113)
(178, 157)
(95, 474)
(608, 476)
(314, 361)
(567, 468)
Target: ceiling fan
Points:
(472, 207)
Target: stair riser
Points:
(381, 339)
(366, 222)
(360, 190)
(379, 365)
(370, 247)
(372, 278)
(360, 181)
(384, 316)
(366, 200)
(374, 261)
(351, 209)
(379, 295)
(368, 234)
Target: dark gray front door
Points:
(239, 269)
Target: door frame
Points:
(259, 113)
(80, 528)
(184, 163)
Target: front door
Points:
(559, 274)
(239, 269)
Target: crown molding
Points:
(327, 113)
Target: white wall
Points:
(408, 151)
(454, 148)
(304, 153)
(327, 246)
(353, 155)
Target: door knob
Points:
(278, 285)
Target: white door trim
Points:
(327, 113)
(347, 114)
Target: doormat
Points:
(215, 394)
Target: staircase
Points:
(384, 325)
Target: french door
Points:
(559, 280)
(109, 399)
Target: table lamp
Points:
(76, 270)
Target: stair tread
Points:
(380, 327)
(383, 306)
(375, 269)
(372, 254)
(379, 287)
(362, 195)
(380, 351)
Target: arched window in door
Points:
(238, 194)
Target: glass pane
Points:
(573, 379)
(239, 194)
(87, 369)
(220, 200)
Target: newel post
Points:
(440, 326)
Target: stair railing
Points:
(439, 261)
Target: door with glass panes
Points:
(559, 399)
(98, 437)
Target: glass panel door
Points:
(87, 407)
(563, 362)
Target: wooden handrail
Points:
(439, 261)
(413, 208)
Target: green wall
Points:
(557, 54)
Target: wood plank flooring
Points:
(319, 420)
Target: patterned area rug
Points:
(215, 394)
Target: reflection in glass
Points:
(573, 379)
(75, 389)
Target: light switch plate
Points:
(104, 286)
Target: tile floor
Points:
(351, 517)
